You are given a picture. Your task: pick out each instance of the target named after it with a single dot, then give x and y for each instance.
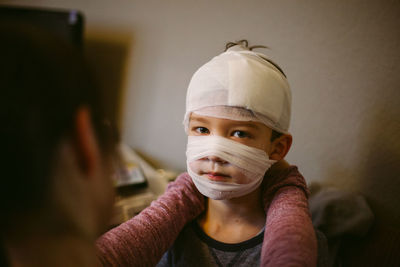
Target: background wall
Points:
(341, 59)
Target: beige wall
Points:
(341, 57)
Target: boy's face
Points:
(253, 134)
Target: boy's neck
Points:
(234, 220)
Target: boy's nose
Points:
(215, 159)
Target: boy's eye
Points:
(240, 134)
(202, 130)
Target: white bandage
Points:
(240, 162)
(245, 79)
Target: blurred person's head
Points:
(56, 145)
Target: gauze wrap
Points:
(252, 162)
(241, 78)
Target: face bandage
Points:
(244, 166)
(244, 79)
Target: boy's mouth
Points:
(217, 176)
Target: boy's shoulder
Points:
(283, 175)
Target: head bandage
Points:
(244, 79)
(238, 160)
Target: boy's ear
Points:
(280, 147)
(87, 150)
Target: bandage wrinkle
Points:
(251, 162)
(233, 152)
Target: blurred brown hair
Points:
(43, 82)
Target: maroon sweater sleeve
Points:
(289, 238)
(142, 240)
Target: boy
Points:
(237, 119)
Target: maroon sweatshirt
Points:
(289, 238)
